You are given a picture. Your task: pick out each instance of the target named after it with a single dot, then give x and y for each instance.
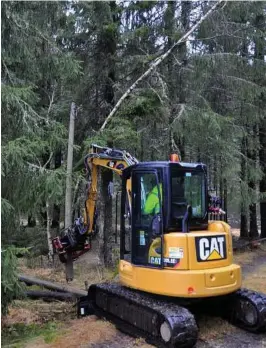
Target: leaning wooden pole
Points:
(68, 196)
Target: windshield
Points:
(188, 188)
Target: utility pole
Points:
(68, 197)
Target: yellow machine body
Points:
(189, 277)
(168, 247)
(186, 276)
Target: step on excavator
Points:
(173, 260)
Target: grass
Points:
(256, 280)
(40, 324)
(19, 334)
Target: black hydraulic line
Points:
(116, 216)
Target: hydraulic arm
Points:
(76, 239)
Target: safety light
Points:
(174, 157)
(190, 290)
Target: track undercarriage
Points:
(163, 321)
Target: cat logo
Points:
(210, 248)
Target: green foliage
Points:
(37, 78)
(6, 208)
(207, 94)
(19, 334)
(11, 288)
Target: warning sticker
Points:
(141, 238)
(175, 252)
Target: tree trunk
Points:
(60, 296)
(243, 224)
(48, 231)
(225, 200)
(263, 180)
(105, 217)
(50, 285)
(252, 156)
(31, 221)
(253, 225)
(56, 208)
(243, 176)
(104, 198)
(185, 20)
(170, 28)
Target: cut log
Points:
(50, 285)
(63, 296)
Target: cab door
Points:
(146, 216)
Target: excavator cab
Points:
(166, 197)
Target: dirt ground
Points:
(91, 332)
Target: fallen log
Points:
(63, 296)
(240, 244)
(50, 285)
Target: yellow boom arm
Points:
(115, 160)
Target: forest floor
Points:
(42, 324)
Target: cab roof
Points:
(165, 164)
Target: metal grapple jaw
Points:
(73, 240)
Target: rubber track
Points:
(259, 301)
(139, 314)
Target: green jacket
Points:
(152, 204)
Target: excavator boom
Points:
(76, 239)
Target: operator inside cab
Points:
(152, 203)
(183, 194)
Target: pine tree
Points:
(35, 73)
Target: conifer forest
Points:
(152, 78)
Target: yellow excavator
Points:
(173, 261)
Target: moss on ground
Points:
(18, 335)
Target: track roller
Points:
(160, 322)
(248, 310)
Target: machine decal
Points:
(171, 262)
(168, 262)
(175, 252)
(142, 238)
(155, 260)
(210, 248)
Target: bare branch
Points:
(51, 99)
(49, 159)
(158, 61)
(182, 109)
(155, 92)
(40, 168)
